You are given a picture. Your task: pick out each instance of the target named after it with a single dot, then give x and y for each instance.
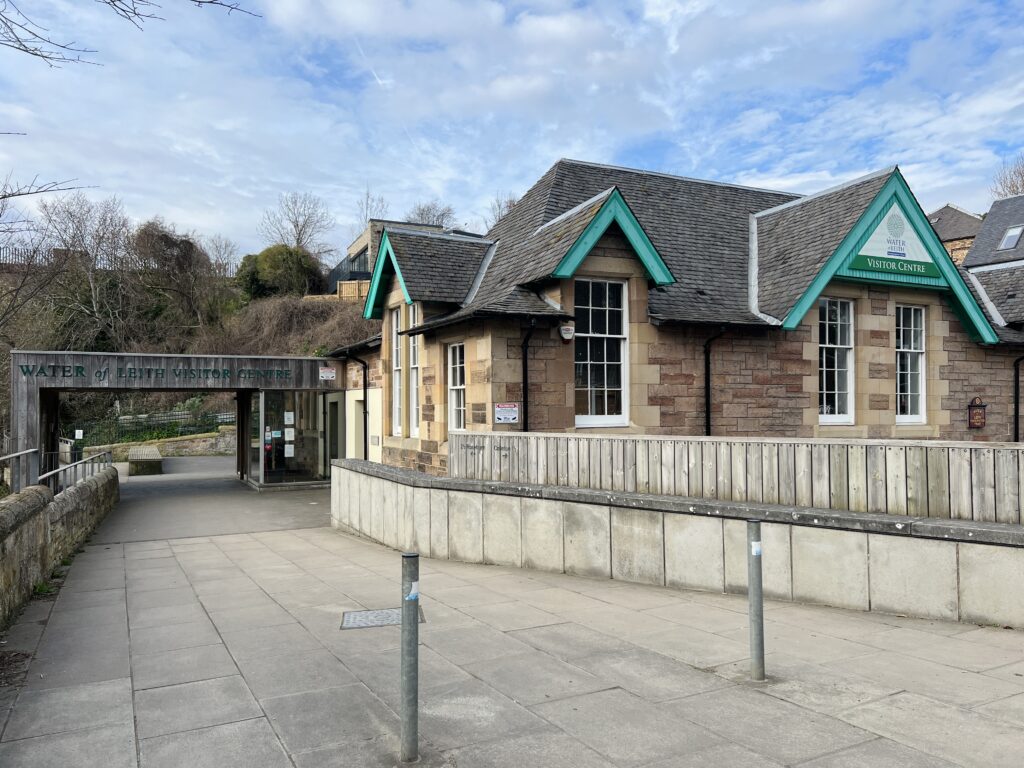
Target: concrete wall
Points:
(951, 570)
(38, 530)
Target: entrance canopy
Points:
(38, 378)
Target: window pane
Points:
(582, 320)
(614, 351)
(597, 350)
(596, 375)
(615, 295)
(581, 403)
(598, 295)
(597, 402)
(581, 350)
(615, 402)
(614, 322)
(598, 321)
(1010, 238)
(614, 375)
(582, 293)
(581, 376)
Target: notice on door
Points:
(506, 413)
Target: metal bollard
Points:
(410, 656)
(755, 600)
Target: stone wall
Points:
(950, 570)
(219, 443)
(38, 530)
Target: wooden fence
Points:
(965, 481)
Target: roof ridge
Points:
(958, 208)
(995, 266)
(662, 174)
(829, 191)
(577, 208)
(440, 235)
(478, 279)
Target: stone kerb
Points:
(954, 570)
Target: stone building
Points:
(956, 229)
(627, 301)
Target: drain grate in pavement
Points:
(383, 617)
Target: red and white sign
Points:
(506, 413)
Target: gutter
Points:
(707, 379)
(526, 373)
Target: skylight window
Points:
(1011, 238)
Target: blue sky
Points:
(205, 118)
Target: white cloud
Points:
(205, 118)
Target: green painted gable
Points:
(385, 268)
(893, 244)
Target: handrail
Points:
(66, 467)
(18, 469)
(88, 463)
(19, 453)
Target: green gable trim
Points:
(615, 210)
(847, 263)
(374, 307)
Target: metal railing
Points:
(16, 466)
(57, 479)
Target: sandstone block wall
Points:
(38, 530)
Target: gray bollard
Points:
(755, 600)
(410, 656)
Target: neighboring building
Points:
(956, 229)
(618, 300)
(361, 256)
(996, 263)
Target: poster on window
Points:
(289, 417)
(289, 450)
(289, 433)
(506, 413)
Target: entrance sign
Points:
(506, 413)
(327, 373)
(894, 247)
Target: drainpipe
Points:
(366, 404)
(526, 374)
(1016, 398)
(707, 380)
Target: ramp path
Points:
(205, 645)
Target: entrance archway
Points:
(282, 417)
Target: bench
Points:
(145, 460)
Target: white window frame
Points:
(456, 388)
(616, 420)
(914, 418)
(396, 372)
(851, 361)
(414, 373)
(1019, 228)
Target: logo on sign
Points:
(895, 244)
(327, 373)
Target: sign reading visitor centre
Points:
(894, 247)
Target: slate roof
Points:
(699, 228)
(1005, 287)
(1003, 214)
(953, 223)
(795, 240)
(437, 266)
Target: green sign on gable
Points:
(894, 247)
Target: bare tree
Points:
(432, 212)
(223, 253)
(1009, 180)
(500, 205)
(369, 206)
(20, 33)
(301, 220)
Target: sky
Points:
(204, 117)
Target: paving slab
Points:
(316, 719)
(626, 729)
(880, 753)
(175, 708)
(649, 675)
(111, 746)
(296, 672)
(569, 640)
(536, 749)
(379, 671)
(73, 708)
(535, 677)
(182, 665)
(472, 712)
(942, 730)
(86, 666)
(244, 744)
(466, 645)
(173, 636)
(767, 725)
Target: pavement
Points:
(225, 651)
